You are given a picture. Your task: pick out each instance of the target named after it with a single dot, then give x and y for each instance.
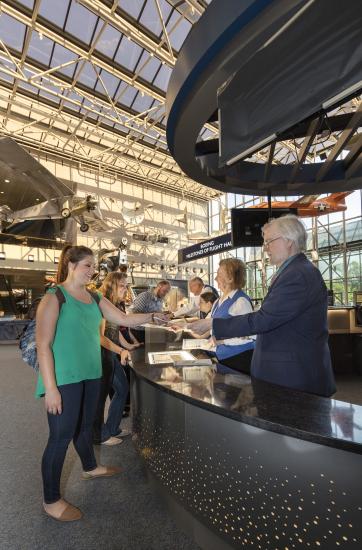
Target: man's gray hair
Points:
(290, 227)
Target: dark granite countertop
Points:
(224, 391)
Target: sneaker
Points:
(112, 441)
(123, 433)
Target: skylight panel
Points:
(27, 3)
(40, 49)
(126, 94)
(148, 66)
(51, 97)
(62, 55)
(108, 41)
(121, 128)
(142, 103)
(81, 22)
(87, 74)
(133, 7)
(27, 86)
(54, 11)
(6, 77)
(162, 77)
(71, 106)
(128, 54)
(110, 82)
(182, 28)
(150, 17)
(12, 32)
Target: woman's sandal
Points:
(109, 472)
(70, 513)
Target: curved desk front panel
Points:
(237, 455)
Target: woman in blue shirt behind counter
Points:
(235, 353)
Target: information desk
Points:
(246, 464)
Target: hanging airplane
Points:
(85, 211)
(134, 212)
(311, 206)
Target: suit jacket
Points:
(292, 344)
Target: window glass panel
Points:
(81, 22)
(132, 7)
(71, 106)
(6, 77)
(40, 50)
(87, 75)
(215, 223)
(230, 200)
(150, 17)
(110, 82)
(336, 216)
(51, 97)
(126, 94)
(128, 54)
(54, 11)
(63, 55)
(162, 78)
(208, 134)
(142, 103)
(27, 3)
(108, 41)
(354, 204)
(181, 30)
(148, 66)
(12, 32)
(121, 128)
(27, 86)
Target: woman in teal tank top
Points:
(69, 355)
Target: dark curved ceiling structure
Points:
(264, 73)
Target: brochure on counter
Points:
(197, 343)
(179, 358)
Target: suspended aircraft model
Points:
(85, 211)
(310, 206)
(134, 212)
(30, 193)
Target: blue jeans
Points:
(79, 402)
(119, 384)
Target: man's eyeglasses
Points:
(268, 241)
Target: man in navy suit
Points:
(292, 344)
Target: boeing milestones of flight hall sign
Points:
(206, 248)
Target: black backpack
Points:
(27, 342)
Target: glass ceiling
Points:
(100, 68)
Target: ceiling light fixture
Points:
(7, 181)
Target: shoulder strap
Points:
(94, 295)
(61, 298)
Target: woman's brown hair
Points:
(236, 270)
(72, 254)
(110, 285)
